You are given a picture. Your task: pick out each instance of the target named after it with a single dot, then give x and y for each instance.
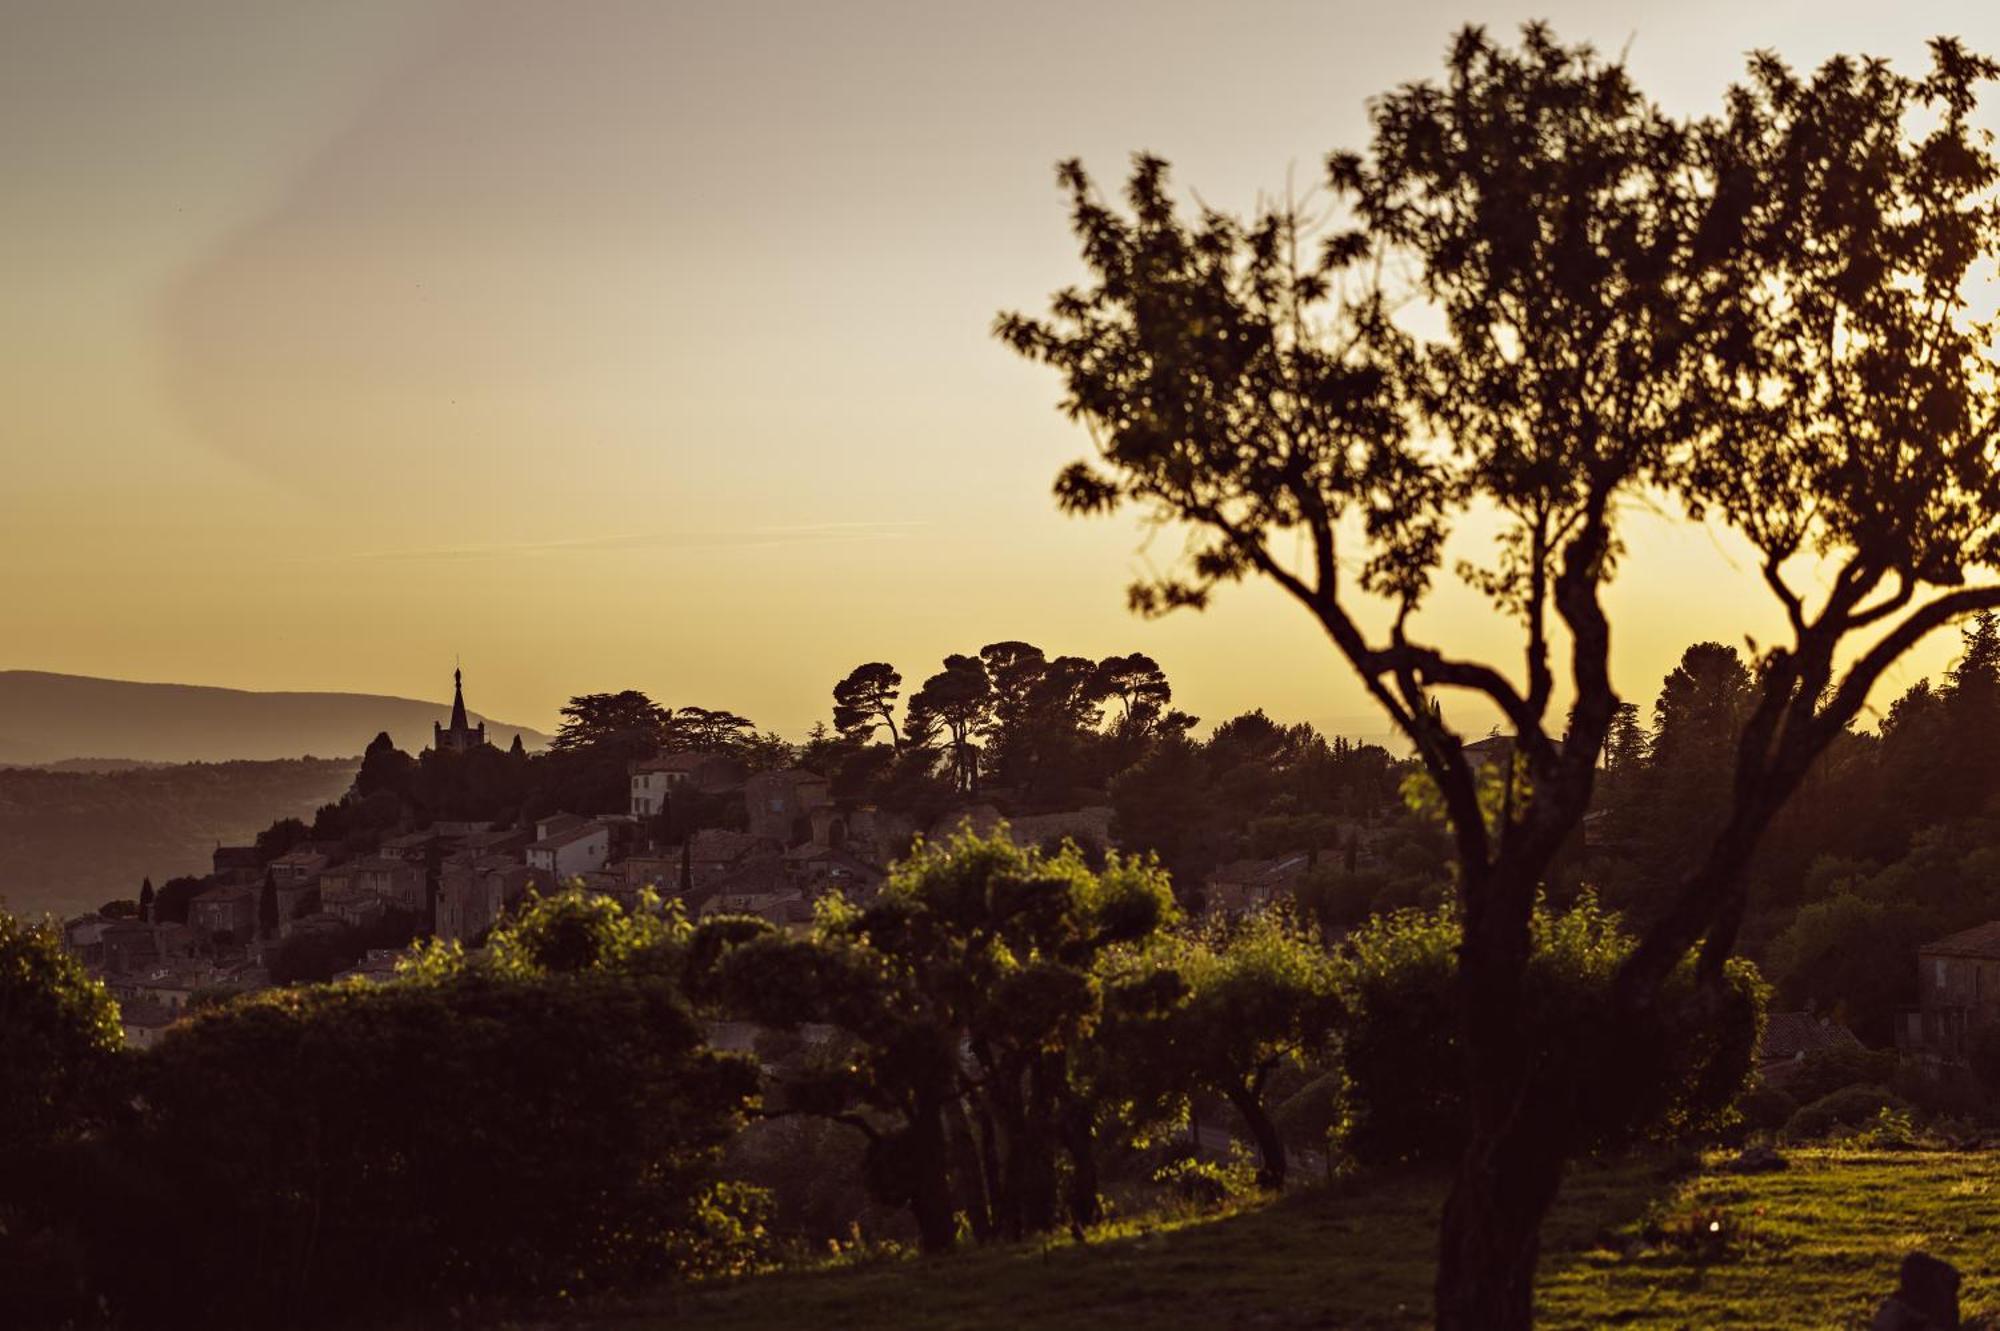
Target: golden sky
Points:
(645, 345)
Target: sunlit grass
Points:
(1814, 1246)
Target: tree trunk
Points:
(1080, 1140)
(930, 1182)
(1517, 1099)
(1490, 1240)
(1270, 1146)
(969, 1170)
(1032, 1156)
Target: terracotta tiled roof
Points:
(574, 834)
(757, 876)
(1789, 1034)
(1982, 941)
(677, 762)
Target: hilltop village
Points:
(726, 822)
(733, 829)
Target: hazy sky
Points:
(646, 345)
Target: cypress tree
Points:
(267, 907)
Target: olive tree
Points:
(1540, 305)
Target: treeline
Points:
(999, 1041)
(1008, 726)
(1893, 841)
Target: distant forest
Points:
(70, 840)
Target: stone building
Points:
(655, 779)
(1958, 983)
(780, 804)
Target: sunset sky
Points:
(647, 345)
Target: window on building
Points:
(1937, 973)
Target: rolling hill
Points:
(48, 718)
(70, 840)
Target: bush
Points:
(59, 1065)
(1766, 1108)
(1849, 1107)
(319, 1154)
(59, 1040)
(1824, 1071)
(1678, 1075)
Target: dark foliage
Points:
(316, 1154)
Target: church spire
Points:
(462, 735)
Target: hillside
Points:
(70, 840)
(1816, 1246)
(45, 718)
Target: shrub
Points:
(1677, 1075)
(59, 1039)
(1824, 1071)
(1766, 1108)
(1889, 1130)
(1850, 1106)
(323, 1153)
(59, 1060)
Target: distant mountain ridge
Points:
(71, 839)
(52, 718)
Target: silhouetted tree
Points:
(629, 722)
(1759, 315)
(959, 699)
(865, 702)
(697, 729)
(170, 906)
(1218, 1011)
(384, 767)
(281, 838)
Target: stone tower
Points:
(460, 737)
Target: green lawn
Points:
(1816, 1246)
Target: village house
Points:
(114, 948)
(660, 872)
(413, 847)
(1247, 885)
(398, 882)
(84, 938)
(300, 866)
(780, 804)
(473, 889)
(574, 849)
(715, 852)
(226, 913)
(761, 888)
(342, 897)
(144, 1022)
(488, 842)
(377, 966)
(820, 868)
(654, 779)
(1958, 983)
(173, 989)
(294, 900)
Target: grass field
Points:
(1814, 1246)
